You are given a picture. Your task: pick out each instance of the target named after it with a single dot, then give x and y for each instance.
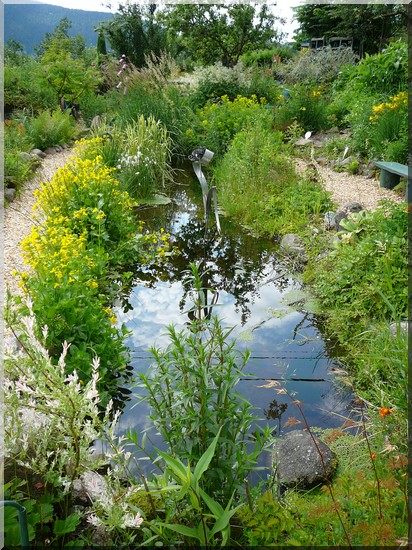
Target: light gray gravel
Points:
(18, 218)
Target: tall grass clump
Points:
(140, 152)
(152, 93)
(257, 184)
(144, 165)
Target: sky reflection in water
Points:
(251, 288)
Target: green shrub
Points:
(17, 167)
(50, 128)
(379, 74)
(365, 278)
(307, 106)
(265, 58)
(24, 88)
(215, 81)
(91, 105)
(218, 123)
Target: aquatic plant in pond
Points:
(191, 391)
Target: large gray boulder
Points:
(298, 462)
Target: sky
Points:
(283, 8)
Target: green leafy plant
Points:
(271, 523)
(191, 391)
(50, 128)
(367, 271)
(219, 122)
(210, 522)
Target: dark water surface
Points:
(286, 344)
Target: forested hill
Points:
(28, 23)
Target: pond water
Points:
(286, 343)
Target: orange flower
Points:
(384, 411)
(373, 455)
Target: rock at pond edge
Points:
(297, 462)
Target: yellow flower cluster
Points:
(397, 102)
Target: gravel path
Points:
(18, 221)
(346, 188)
(18, 218)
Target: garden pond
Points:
(256, 295)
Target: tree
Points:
(223, 33)
(67, 75)
(135, 32)
(14, 52)
(76, 45)
(370, 25)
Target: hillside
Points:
(28, 23)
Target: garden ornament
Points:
(200, 156)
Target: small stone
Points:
(95, 122)
(50, 150)
(345, 161)
(329, 220)
(39, 153)
(88, 488)
(26, 156)
(9, 194)
(303, 141)
(293, 244)
(401, 327)
(342, 213)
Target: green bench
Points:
(391, 173)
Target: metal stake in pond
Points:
(200, 156)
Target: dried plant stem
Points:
(328, 483)
(365, 433)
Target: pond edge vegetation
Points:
(82, 259)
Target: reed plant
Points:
(191, 391)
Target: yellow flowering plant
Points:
(388, 125)
(78, 258)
